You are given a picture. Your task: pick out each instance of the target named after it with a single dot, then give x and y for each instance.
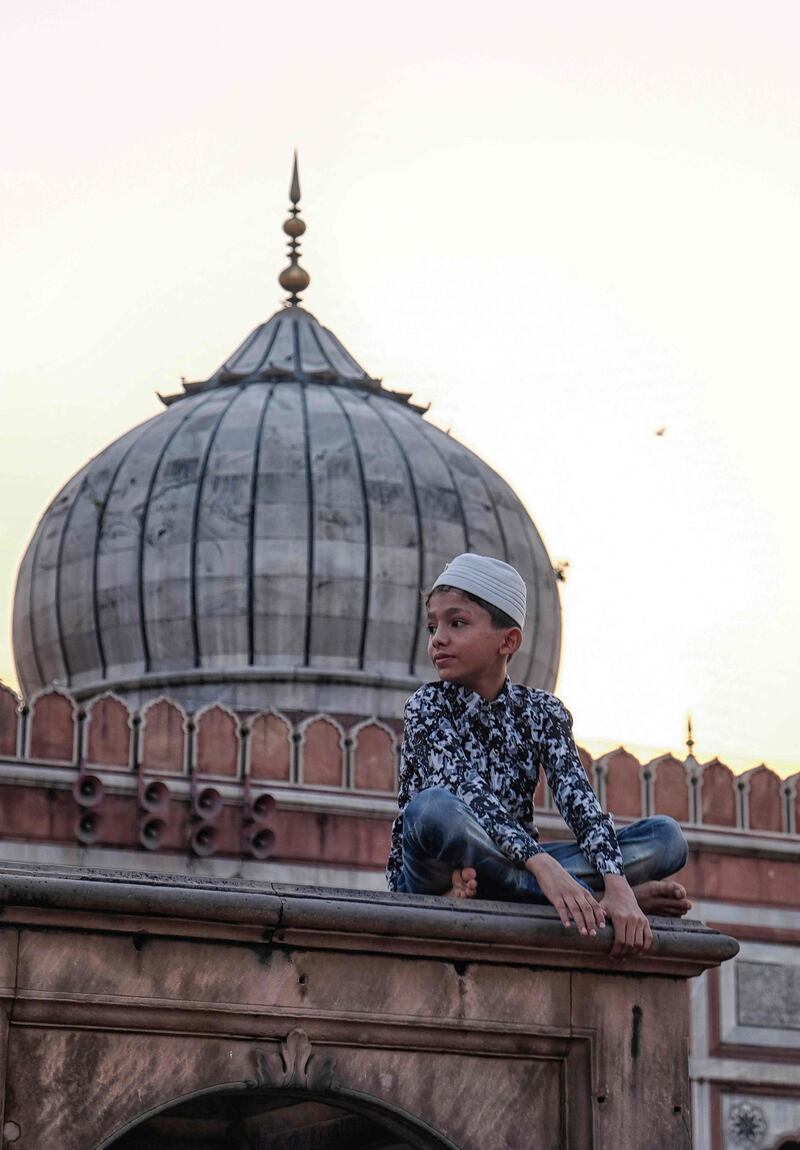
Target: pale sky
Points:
(564, 225)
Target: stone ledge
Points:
(342, 920)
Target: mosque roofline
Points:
(292, 346)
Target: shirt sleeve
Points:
(394, 864)
(433, 757)
(573, 794)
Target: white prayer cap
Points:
(492, 580)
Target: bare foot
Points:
(465, 884)
(664, 897)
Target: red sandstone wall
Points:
(160, 778)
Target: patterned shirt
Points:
(489, 754)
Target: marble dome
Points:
(264, 540)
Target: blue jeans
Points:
(441, 834)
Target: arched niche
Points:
(669, 787)
(374, 757)
(108, 733)
(321, 752)
(718, 796)
(764, 800)
(270, 748)
(162, 739)
(293, 1102)
(622, 791)
(217, 742)
(52, 727)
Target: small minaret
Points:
(294, 279)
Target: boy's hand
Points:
(632, 933)
(573, 902)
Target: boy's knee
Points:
(672, 841)
(427, 804)
(429, 810)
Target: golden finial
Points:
(294, 279)
(689, 737)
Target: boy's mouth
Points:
(438, 660)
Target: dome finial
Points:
(294, 279)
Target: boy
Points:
(473, 746)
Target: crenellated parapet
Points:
(99, 772)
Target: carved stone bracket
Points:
(294, 1067)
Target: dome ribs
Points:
(309, 528)
(59, 580)
(339, 531)
(367, 577)
(450, 535)
(420, 534)
(243, 349)
(280, 546)
(515, 509)
(193, 549)
(33, 551)
(187, 415)
(440, 534)
(314, 336)
(495, 513)
(298, 359)
(346, 359)
(394, 539)
(268, 349)
(537, 611)
(101, 517)
(251, 528)
(454, 487)
(45, 585)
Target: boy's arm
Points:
(594, 830)
(434, 757)
(576, 801)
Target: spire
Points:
(689, 737)
(293, 278)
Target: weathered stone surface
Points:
(485, 1027)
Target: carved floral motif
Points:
(295, 1066)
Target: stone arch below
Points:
(293, 1101)
(281, 1119)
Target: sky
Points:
(565, 226)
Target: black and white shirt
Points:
(489, 754)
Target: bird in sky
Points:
(661, 431)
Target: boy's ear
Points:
(512, 641)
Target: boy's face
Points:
(463, 645)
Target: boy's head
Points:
(476, 609)
(492, 584)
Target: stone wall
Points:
(148, 1013)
